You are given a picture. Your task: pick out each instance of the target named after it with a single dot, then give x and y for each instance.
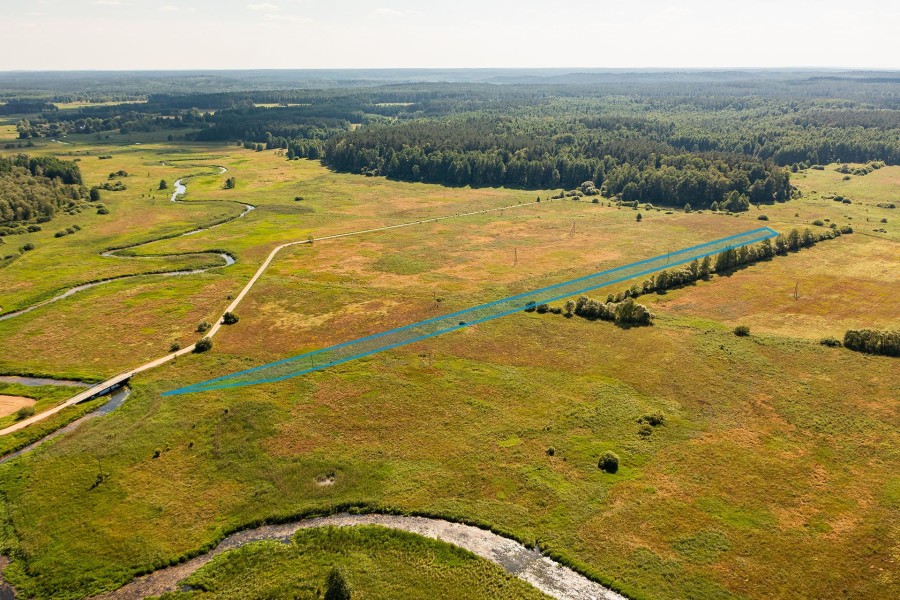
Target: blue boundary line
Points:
(761, 234)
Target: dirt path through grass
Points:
(121, 378)
(529, 565)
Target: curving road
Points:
(540, 571)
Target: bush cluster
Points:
(873, 341)
(860, 171)
(627, 312)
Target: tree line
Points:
(873, 341)
(729, 260)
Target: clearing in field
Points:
(10, 404)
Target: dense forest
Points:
(711, 140)
(35, 188)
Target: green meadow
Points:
(773, 475)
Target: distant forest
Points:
(35, 188)
(728, 139)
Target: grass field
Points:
(379, 564)
(774, 475)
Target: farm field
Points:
(773, 475)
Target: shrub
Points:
(763, 218)
(28, 247)
(819, 223)
(543, 309)
(609, 462)
(24, 413)
(175, 347)
(831, 342)
(337, 587)
(230, 318)
(102, 211)
(203, 345)
(741, 331)
(95, 194)
(204, 327)
(653, 419)
(298, 198)
(645, 430)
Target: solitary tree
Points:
(337, 587)
(95, 194)
(639, 217)
(570, 307)
(163, 185)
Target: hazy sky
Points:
(237, 34)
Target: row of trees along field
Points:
(35, 188)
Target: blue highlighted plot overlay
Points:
(335, 355)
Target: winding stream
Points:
(114, 402)
(545, 574)
(180, 190)
(540, 571)
(38, 381)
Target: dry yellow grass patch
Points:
(10, 404)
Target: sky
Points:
(304, 34)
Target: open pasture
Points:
(772, 475)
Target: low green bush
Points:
(609, 462)
(24, 413)
(203, 345)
